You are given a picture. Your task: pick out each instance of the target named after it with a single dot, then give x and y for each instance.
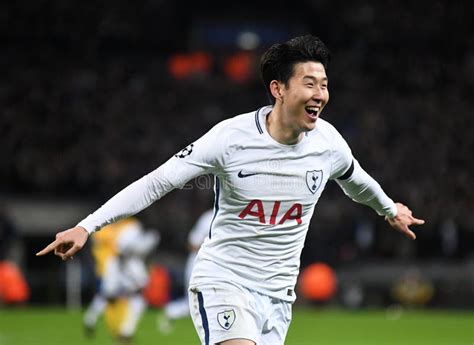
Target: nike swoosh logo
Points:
(242, 175)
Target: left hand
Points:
(403, 220)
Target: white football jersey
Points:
(265, 194)
(265, 197)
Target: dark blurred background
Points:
(93, 95)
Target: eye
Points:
(309, 84)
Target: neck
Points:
(280, 130)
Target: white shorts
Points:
(225, 311)
(123, 277)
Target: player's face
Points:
(305, 95)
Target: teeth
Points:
(312, 109)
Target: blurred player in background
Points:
(120, 251)
(179, 308)
(270, 166)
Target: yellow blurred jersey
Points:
(104, 242)
(115, 314)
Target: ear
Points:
(276, 89)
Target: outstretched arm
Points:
(67, 243)
(403, 220)
(127, 202)
(362, 188)
(202, 157)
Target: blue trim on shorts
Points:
(205, 323)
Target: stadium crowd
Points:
(89, 108)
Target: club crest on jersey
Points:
(314, 179)
(185, 152)
(226, 318)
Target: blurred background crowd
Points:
(94, 96)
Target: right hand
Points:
(67, 243)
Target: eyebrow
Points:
(314, 78)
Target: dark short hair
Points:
(278, 61)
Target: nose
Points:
(319, 94)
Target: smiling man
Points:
(270, 166)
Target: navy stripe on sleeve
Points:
(348, 173)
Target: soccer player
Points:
(105, 251)
(179, 308)
(270, 166)
(120, 251)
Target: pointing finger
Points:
(410, 234)
(417, 221)
(52, 246)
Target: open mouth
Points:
(312, 111)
